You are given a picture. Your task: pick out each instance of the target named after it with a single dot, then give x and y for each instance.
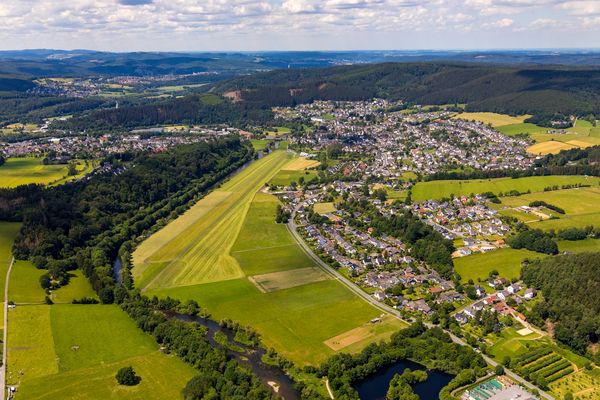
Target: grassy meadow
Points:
(581, 205)
(77, 288)
(506, 261)
(278, 290)
(494, 119)
(74, 351)
(444, 188)
(8, 232)
(195, 248)
(24, 171)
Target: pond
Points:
(375, 387)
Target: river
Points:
(375, 387)
(270, 375)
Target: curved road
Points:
(293, 229)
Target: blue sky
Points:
(187, 25)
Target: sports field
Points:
(23, 171)
(582, 207)
(279, 291)
(506, 261)
(74, 351)
(439, 189)
(195, 248)
(493, 119)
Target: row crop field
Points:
(445, 188)
(278, 289)
(24, 171)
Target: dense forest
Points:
(506, 89)
(570, 284)
(192, 109)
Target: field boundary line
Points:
(263, 248)
(5, 330)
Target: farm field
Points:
(550, 147)
(581, 205)
(217, 220)
(519, 128)
(444, 188)
(506, 261)
(23, 171)
(494, 119)
(579, 246)
(300, 163)
(73, 352)
(280, 292)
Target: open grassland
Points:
(24, 285)
(444, 188)
(195, 248)
(549, 147)
(581, 205)
(285, 178)
(259, 144)
(506, 261)
(356, 339)
(280, 280)
(24, 171)
(74, 352)
(8, 231)
(579, 246)
(77, 288)
(493, 119)
(294, 321)
(300, 163)
(324, 208)
(263, 246)
(520, 128)
(295, 312)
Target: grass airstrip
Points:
(23, 171)
(238, 263)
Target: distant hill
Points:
(500, 88)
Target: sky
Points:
(236, 25)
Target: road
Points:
(293, 229)
(5, 326)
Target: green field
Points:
(24, 285)
(579, 246)
(77, 288)
(8, 232)
(259, 144)
(74, 351)
(494, 119)
(286, 177)
(439, 189)
(293, 314)
(506, 261)
(23, 171)
(518, 128)
(581, 205)
(195, 248)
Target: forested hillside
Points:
(570, 286)
(193, 109)
(506, 89)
